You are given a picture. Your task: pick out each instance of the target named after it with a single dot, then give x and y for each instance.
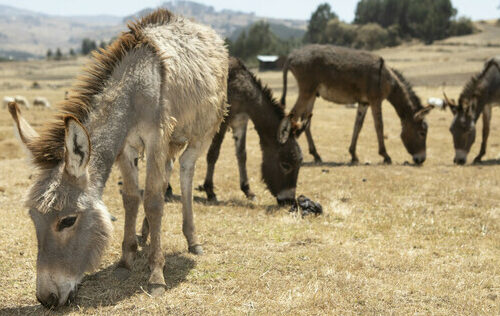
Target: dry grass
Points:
(393, 240)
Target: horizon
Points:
(345, 9)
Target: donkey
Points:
(42, 102)
(159, 88)
(19, 99)
(477, 97)
(249, 99)
(347, 76)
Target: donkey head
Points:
(463, 127)
(72, 224)
(281, 163)
(414, 134)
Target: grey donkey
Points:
(159, 88)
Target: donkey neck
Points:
(484, 91)
(107, 127)
(399, 97)
(265, 117)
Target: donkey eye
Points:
(285, 166)
(66, 223)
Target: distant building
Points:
(270, 62)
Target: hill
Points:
(27, 34)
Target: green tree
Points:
(88, 45)
(72, 52)
(428, 20)
(49, 53)
(317, 24)
(59, 54)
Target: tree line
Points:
(377, 24)
(87, 46)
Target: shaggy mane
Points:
(266, 91)
(48, 149)
(415, 100)
(471, 85)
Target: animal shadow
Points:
(105, 289)
(489, 162)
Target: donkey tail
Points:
(285, 75)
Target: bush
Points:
(462, 26)
(371, 36)
(340, 33)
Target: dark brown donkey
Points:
(477, 97)
(249, 99)
(346, 76)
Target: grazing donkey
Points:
(346, 76)
(477, 97)
(160, 87)
(42, 102)
(280, 162)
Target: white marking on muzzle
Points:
(460, 154)
(286, 194)
(420, 156)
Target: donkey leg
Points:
(379, 128)
(131, 196)
(312, 147)
(212, 156)
(240, 136)
(358, 124)
(486, 133)
(187, 162)
(153, 206)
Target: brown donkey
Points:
(248, 99)
(160, 87)
(477, 97)
(347, 76)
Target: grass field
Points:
(393, 239)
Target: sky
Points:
(291, 9)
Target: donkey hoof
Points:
(156, 290)
(196, 249)
(251, 196)
(318, 160)
(121, 273)
(354, 162)
(211, 197)
(388, 161)
(477, 161)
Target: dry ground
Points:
(393, 240)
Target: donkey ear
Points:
(452, 104)
(284, 129)
(77, 145)
(420, 115)
(23, 129)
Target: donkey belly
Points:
(337, 95)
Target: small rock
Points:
(492, 296)
(325, 170)
(308, 206)
(364, 180)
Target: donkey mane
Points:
(48, 149)
(266, 91)
(471, 85)
(416, 104)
